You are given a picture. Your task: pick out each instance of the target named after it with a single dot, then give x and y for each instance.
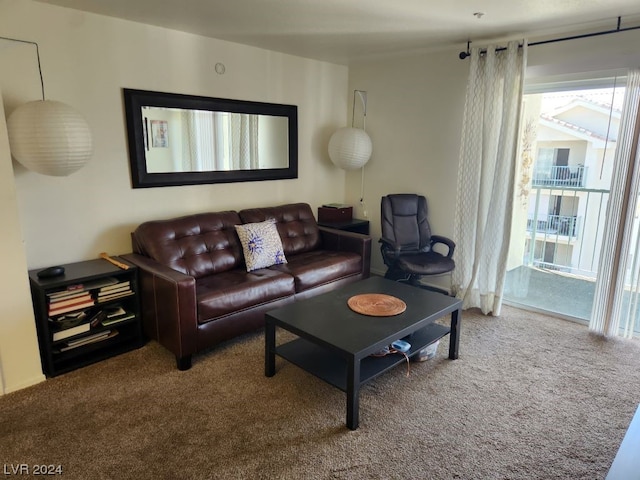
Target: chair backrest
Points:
(404, 221)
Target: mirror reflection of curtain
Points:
(203, 141)
(219, 141)
(244, 142)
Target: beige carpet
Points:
(531, 397)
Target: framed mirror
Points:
(188, 140)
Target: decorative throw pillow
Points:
(261, 244)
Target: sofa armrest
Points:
(169, 311)
(340, 240)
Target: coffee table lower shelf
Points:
(327, 365)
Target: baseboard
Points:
(24, 384)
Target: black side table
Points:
(354, 225)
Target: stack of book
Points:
(75, 323)
(73, 298)
(87, 339)
(115, 290)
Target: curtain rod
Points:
(464, 55)
(37, 55)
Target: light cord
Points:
(37, 55)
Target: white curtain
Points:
(617, 289)
(202, 148)
(244, 142)
(219, 141)
(486, 175)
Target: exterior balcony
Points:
(554, 225)
(568, 296)
(573, 176)
(551, 290)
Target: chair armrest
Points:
(168, 298)
(342, 241)
(445, 241)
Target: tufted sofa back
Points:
(196, 245)
(295, 222)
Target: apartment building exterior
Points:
(561, 217)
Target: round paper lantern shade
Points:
(49, 137)
(350, 148)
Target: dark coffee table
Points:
(335, 343)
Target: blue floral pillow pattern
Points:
(261, 244)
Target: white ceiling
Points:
(342, 31)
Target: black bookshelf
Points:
(94, 279)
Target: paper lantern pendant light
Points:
(350, 148)
(49, 137)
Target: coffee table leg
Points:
(269, 349)
(353, 393)
(454, 336)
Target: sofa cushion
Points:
(196, 245)
(261, 244)
(237, 290)
(311, 269)
(295, 222)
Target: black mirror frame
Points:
(134, 100)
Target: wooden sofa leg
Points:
(184, 363)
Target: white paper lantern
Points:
(350, 148)
(49, 137)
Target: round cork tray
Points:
(376, 305)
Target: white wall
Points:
(19, 358)
(86, 60)
(414, 115)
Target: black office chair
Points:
(407, 243)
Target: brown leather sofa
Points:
(194, 286)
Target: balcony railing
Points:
(566, 243)
(555, 224)
(574, 176)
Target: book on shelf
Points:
(97, 318)
(68, 320)
(63, 302)
(115, 311)
(116, 286)
(80, 289)
(53, 311)
(71, 316)
(113, 291)
(65, 295)
(108, 298)
(89, 339)
(76, 287)
(70, 332)
(120, 318)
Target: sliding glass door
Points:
(568, 144)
